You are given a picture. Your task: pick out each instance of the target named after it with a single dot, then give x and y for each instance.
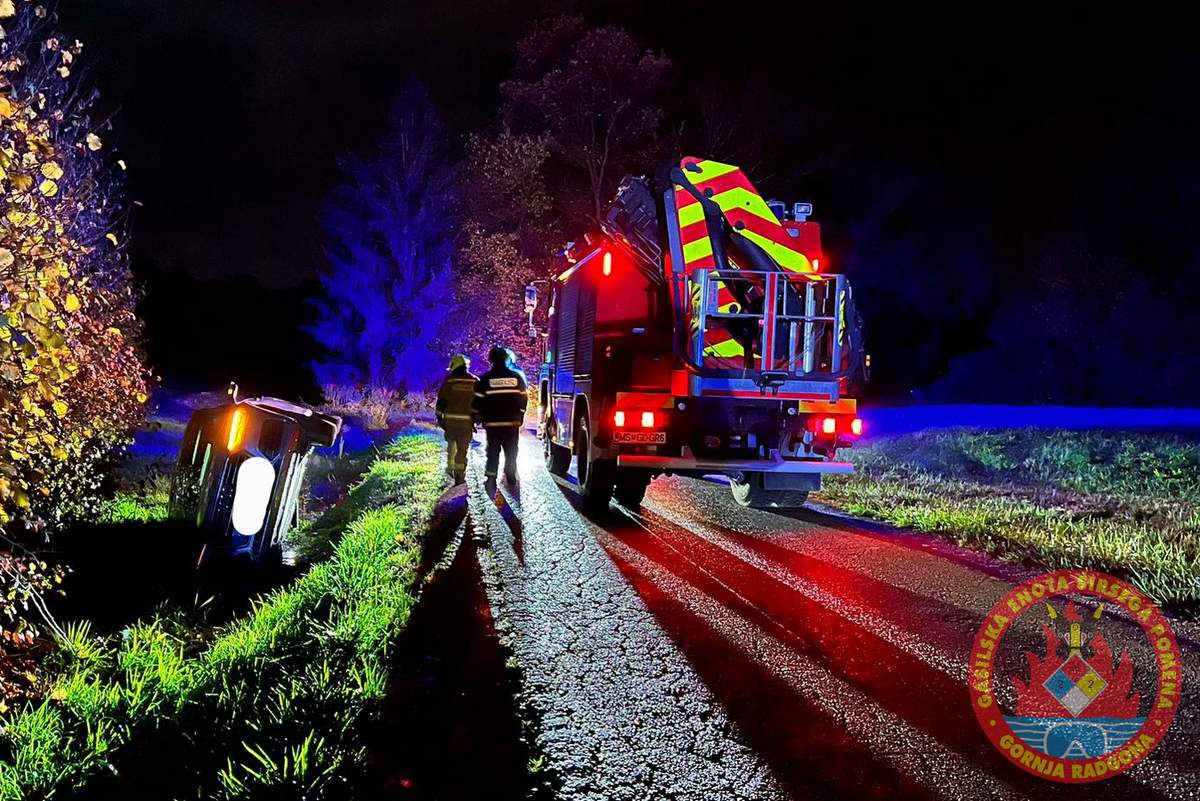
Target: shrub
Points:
(375, 406)
(72, 383)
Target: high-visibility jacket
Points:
(456, 400)
(500, 398)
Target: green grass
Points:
(272, 705)
(1120, 502)
(315, 538)
(126, 507)
(143, 501)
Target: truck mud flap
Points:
(790, 481)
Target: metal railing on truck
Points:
(795, 322)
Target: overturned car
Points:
(240, 471)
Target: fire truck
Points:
(698, 335)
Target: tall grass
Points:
(1122, 502)
(139, 501)
(271, 706)
(376, 406)
(1128, 463)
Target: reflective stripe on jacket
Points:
(456, 399)
(500, 398)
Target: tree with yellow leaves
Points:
(72, 382)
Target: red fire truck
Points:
(698, 335)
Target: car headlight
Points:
(252, 495)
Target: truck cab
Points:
(679, 344)
(610, 334)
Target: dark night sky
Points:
(991, 135)
(232, 114)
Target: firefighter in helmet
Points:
(456, 416)
(500, 399)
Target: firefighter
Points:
(500, 399)
(455, 414)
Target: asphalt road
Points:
(693, 649)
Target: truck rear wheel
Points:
(630, 488)
(596, 476)
(558, 458)
(751, 495)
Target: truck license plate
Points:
(640, 437)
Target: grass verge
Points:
(268, 707)
(132, 507)
(143, 492)
(1121, 502)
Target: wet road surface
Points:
(450, 700)
(693, 649)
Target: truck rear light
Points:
(679, 383)
(619, 419)
(830, 426)
(237, 427)
(648, 420)
(608, 262)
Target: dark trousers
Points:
(458, 445)
(502, 439)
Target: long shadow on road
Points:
(809, 753)
(450, 727)
(721, 612)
